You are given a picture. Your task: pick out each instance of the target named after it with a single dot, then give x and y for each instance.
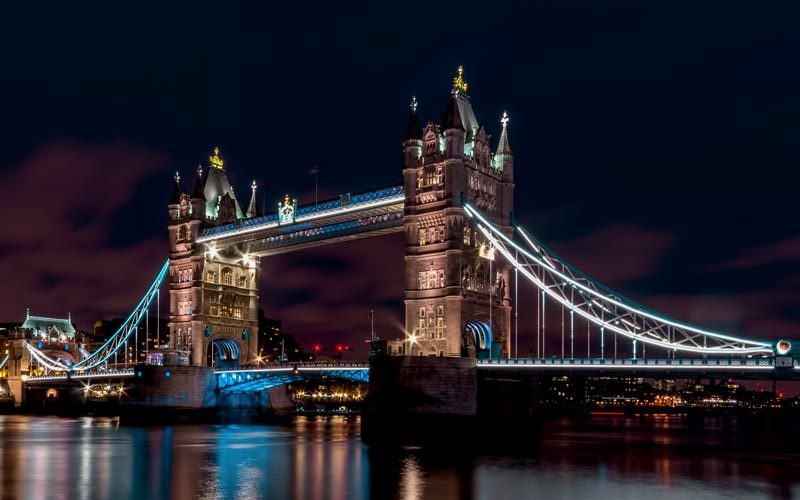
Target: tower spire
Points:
(459, 84)
(503, 147)
(199, 189)
(216, 161)
(452, 115)
(504, 158)
(176, 190)
(252, 210)
(413, 132)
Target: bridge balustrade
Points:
(766, 362)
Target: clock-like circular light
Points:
(783, 347)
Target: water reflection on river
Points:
(319, 458)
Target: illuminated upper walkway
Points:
(345, 218)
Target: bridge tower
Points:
(213, 293)
(451, 279)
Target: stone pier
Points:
(414, 399)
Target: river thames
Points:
(608, 456)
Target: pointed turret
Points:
(175, 199)
(198, 199)
(413, 132)
(252, 209)
(504, 158)
(453, 129)
(412, 145)
(198, 185)
(452, 116)
(176, 190)
(216, 185)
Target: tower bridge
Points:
(466, 258)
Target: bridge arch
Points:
(479, 334)
(223, 352)
(67, 358)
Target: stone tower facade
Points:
(451, 279)
(213, 292)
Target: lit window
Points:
(431, 279)
(211, 276)
(423, 236)
(227, 276)
(467, 235)
(237, 312)
(440, 311)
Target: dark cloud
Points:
(780, 252)
(618, 254)
(60, 207)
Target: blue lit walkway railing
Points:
(329, 208)
(259, 379)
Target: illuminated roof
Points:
(40, 325)
(216, 186)
(459, 112)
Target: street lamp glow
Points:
(211, 252)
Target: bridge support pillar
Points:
(414, 399)
(419, 397)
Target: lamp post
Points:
(412, 339)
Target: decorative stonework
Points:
(447, 261)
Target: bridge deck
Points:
(767, 368)
(345, 218)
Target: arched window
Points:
(227, 276)
(211, 276)
(243, 281)
(182, 233)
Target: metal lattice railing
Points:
(608, 310)
(114, 343)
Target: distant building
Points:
(563, 390)
(614, 390)
(49, 329)
(273, 342)
(269, 334)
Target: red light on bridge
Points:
(317, 348)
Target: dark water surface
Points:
(323, 457)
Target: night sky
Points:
(657, 144)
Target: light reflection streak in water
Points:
(323, 458)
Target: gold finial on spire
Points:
(413, 104)
(504, 120)
(459, 85)
(216, 161)
(253, 186)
